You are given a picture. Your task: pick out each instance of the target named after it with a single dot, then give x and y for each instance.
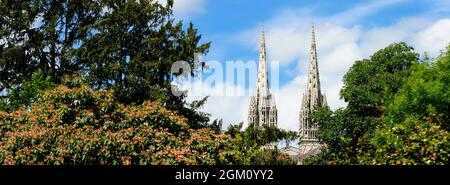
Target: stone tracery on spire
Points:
(311, 100)
(262, 109)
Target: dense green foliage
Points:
(417, 123)
(397, 112)
(257, 146)
(42, 35)
(370, 83)
(26, 93)
(425, 94)
(345, 134)
(412, 141)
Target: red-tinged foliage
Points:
(82, 126)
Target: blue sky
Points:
(346, 31)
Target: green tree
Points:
(26, 93)
(370, 83)
(344, 133)
(416, 123)
(41, 35)
(131, 49)
(369, 86)
(425, 94)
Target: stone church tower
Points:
(262, 109)
(312, 99)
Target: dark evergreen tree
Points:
(42, 35)
(127, 46)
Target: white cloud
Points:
(186, 7)
(379, 37)
(434, 38)
(288, 103)
(338, 60)
(227, 101)
(189, 6)
(232, 109)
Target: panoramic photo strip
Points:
(225, 91)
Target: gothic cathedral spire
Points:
(312, 99)
(262, 85)
(262, 108)
(313, 85)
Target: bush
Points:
(412, 142)
(81, 126)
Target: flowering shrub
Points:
(412, 142)
(81, 126)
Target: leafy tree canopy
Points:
(416, 123)
(370, 83)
